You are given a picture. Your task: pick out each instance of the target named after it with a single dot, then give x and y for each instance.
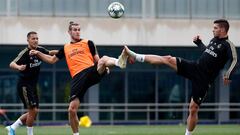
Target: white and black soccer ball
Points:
(115, 10)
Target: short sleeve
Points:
(92, 48)
(21, 58)
(60, 53)
(43, 50)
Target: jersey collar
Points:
(76, 41)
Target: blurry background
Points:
(139, 94)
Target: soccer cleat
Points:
(131, 55)
(122, 59)
(10, 130)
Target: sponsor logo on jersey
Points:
(36, 63)
(211, 52)
(75, 52)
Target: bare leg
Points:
(32, 114)
(20, 121)
(27, 118)
(193, 116)
(153, 59)
(106, 61)
(72, 114)
(23, 118)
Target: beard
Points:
(76, 38)
(215, 35)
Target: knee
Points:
(171, 59)
(193, 109)
(102, 60)
(33, 113)
(104, 57)
(72, 111)
(36, 110)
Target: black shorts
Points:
(199, 80)
(28, 94)
(83, 80)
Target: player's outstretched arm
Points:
(15, 66)
(46, 58)
(53, 52)
(198, 41)
(233, 59)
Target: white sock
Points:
(188, 132)
(29, 130)
(16, 124)
(140, 57)
(75, 133)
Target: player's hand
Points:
(22, 67)
(226, 81)
(53, 52)
(33, 52)
(197, 39)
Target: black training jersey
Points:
(30, 74)
(216, 55)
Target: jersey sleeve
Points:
(43, 50)
(60, 54)
(200, 44)
(92, 48)
(232, 56)
(20, 59)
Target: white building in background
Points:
(107, 31)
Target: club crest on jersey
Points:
(219, 46)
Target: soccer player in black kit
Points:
(28, 67)
(202, 72)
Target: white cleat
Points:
(122, 59)
(10, 130)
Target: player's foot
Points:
(131, 54)
(122, 59)
(10, 130)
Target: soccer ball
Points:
(85, 121)
(115, 10)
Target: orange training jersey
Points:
(78, 56)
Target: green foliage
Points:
(67, 92)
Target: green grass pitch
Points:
(131, 130)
